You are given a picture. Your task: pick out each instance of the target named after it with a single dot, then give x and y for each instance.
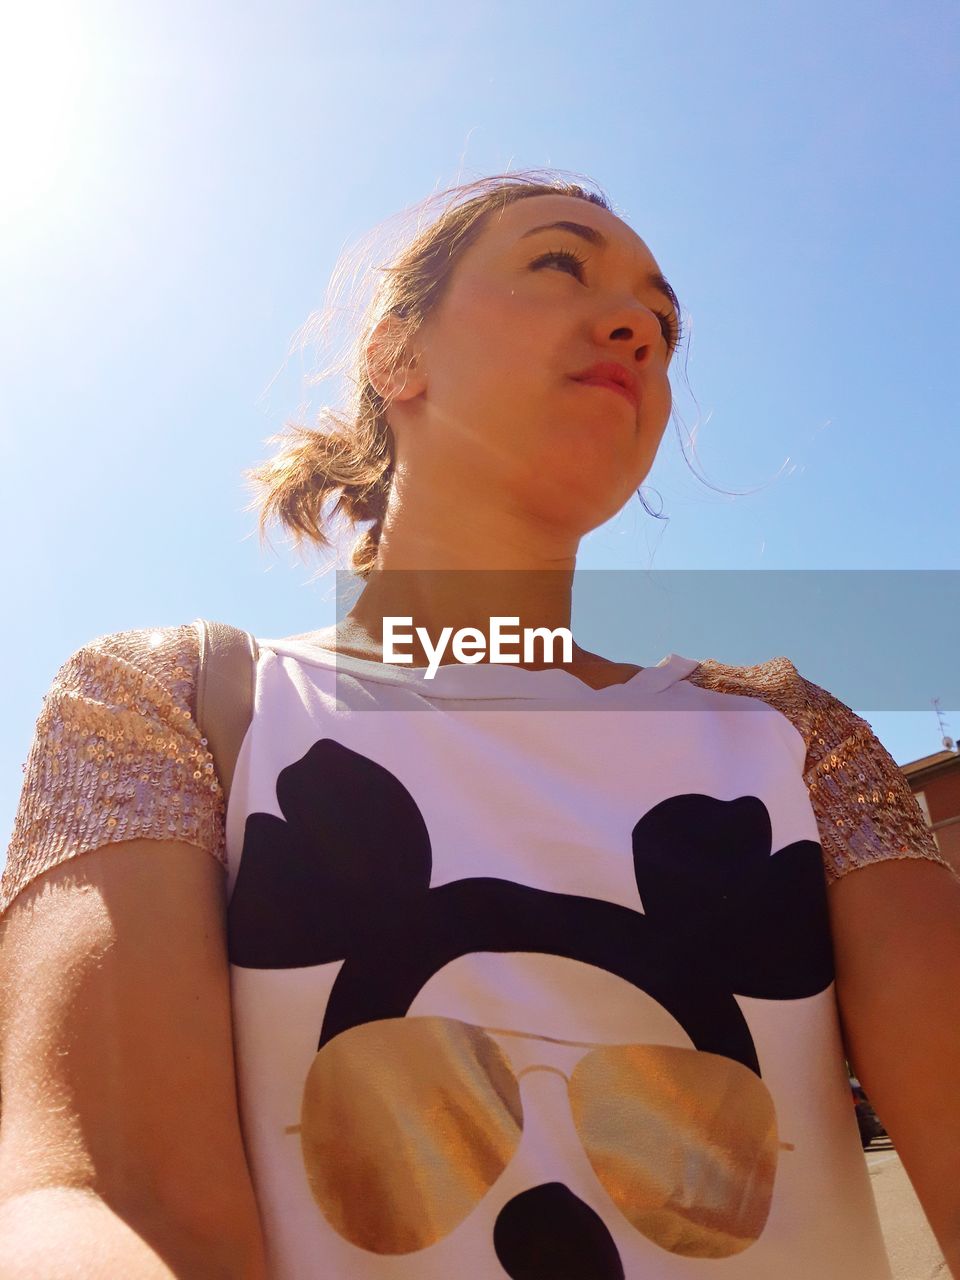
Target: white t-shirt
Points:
(533, 989)
(529, 979)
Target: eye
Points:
(566, 256)
(672, 329)
(669, 322)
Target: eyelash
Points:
(674, 329)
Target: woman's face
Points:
(495, 414)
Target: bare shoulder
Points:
(344, 638)
(325, 638)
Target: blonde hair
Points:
(352, 452)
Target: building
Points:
(935, 781)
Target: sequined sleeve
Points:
(865, 809)
(116, 755)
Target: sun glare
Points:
(46, 78)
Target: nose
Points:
(548, 1233)
(634, 326)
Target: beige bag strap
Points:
(226, 680)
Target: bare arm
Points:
(896, 930)
(120, 1144)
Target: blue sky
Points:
(184, 179)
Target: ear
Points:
(394, 360)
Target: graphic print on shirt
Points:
(407, 1122)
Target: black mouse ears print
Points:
(351, 851)
(755, 919)
(350, 862)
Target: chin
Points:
(570, 501)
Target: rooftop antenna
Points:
(947, 741)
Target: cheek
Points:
(498, 343)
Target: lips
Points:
(612, 376)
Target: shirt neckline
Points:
(488, 680)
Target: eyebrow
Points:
(653, 278)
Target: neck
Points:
(459, 569)
(438, 599)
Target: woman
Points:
(540, 995)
